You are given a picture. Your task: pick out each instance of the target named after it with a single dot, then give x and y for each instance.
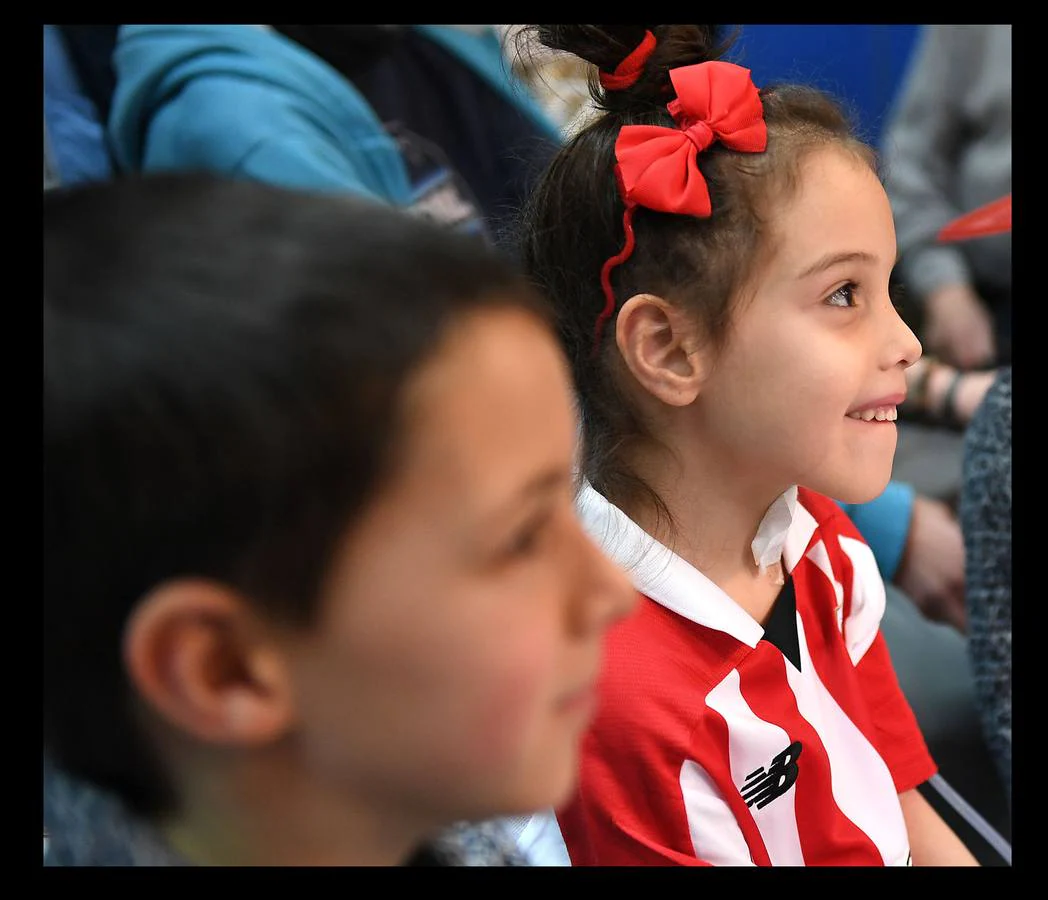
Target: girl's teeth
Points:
(889, 414)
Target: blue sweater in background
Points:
(246, 101)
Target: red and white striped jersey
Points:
(721, 742)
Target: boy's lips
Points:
(581, 698)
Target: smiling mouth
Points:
(880, 414)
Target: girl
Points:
(303, 602)
(719, 258)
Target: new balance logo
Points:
(762, 786)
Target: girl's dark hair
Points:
(223, 368)
(573, 222)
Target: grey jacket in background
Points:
(947, 149)
(985, 511)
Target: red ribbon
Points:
(658, 168)
(628, 71)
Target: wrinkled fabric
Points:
(87, 826)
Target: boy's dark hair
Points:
(223, 365)
(573, 222)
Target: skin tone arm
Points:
(929, 381)
(958, 326)
(931, 571)
(932, 841)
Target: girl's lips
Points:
(890, 401)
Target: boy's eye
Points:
(527, 539)
(524, 542)
(843, 296)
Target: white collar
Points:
(773, 530)
(676, 584)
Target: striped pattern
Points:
(712, 748)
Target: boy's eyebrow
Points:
(832, 259)
(546, 481)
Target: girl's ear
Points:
(660, 345)
(198, 655)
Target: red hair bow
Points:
(658, 168)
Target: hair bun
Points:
(607, 46)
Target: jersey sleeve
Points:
(896, 735)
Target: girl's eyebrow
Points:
(832, 259)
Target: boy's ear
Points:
(660, 345)
(199, 657)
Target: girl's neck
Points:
(714, 513)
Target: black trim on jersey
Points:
(781, 628)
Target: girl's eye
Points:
(844, 296)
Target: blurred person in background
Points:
(424, 117)
(947, 150)
(986, 519)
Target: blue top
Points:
(286, 116)
(884, 523)
(74, 136)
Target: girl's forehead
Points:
(831, 183)
(838, 211)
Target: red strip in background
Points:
(993, 218)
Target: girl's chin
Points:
(857, 485)
(855, 493)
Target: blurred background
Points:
(863, 65)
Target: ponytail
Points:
(607, 47)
